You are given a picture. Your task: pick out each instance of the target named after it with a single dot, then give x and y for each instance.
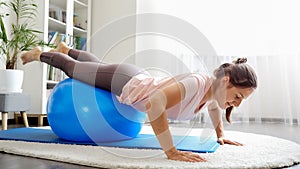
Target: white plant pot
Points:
(11, 81)
(2, 64)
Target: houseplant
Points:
(21, 37)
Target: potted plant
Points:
(21, 37)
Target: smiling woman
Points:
(240, 82)
(164, 98)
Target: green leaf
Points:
(3, 31)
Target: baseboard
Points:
(268, 120)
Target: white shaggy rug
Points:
(260, 151)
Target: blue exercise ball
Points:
(79, 112)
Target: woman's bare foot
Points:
(32, 55)
(62, 48)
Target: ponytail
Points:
(228, 113)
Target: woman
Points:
(179, 97)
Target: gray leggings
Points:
(88, 68)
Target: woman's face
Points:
(228, 95)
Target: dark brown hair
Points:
(241, 75)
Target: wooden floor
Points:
(9, 161)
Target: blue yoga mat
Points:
(143, 141)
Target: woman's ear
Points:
(225, 80)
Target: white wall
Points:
(105, 14)
(234, 27)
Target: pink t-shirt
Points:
(137, 91)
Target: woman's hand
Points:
(223, 141)
(174, 154)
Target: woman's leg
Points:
(110, 77)
(76, 54)
(83, 56)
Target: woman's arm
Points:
(216, 118)
(156, 109)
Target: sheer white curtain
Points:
(277, 96)
(266, 32)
